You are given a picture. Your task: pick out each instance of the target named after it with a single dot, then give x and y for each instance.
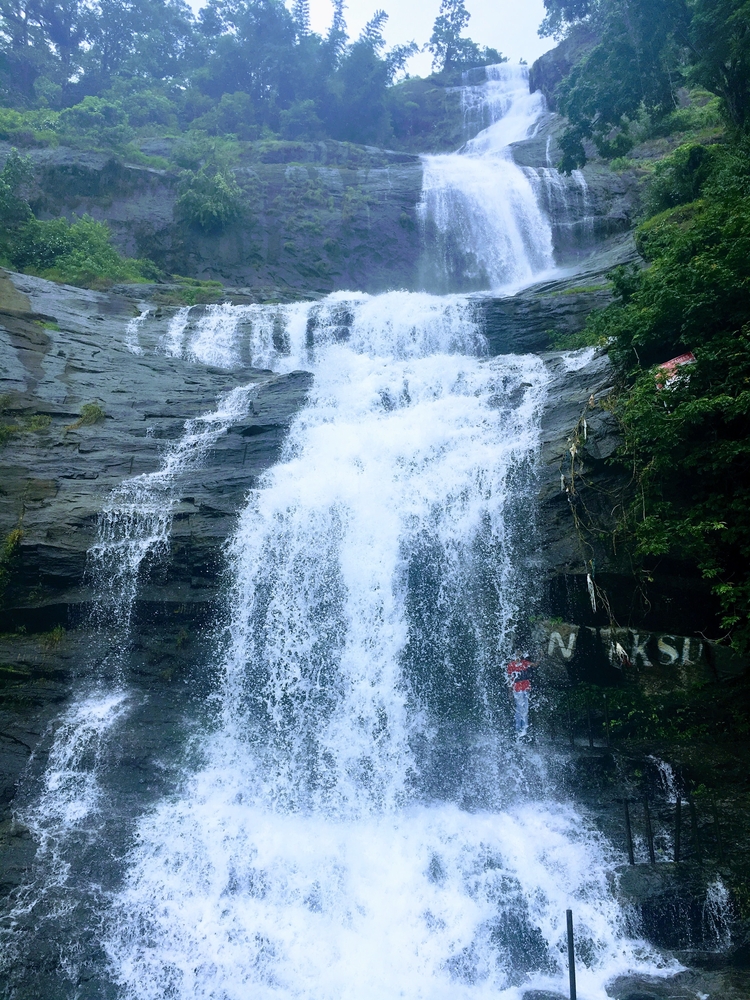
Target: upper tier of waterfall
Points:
(483, 220)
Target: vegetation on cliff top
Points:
(78, 253)
(106, 73)
(111, 75)
(645, 53)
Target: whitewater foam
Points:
(352, 830)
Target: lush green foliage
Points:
(103, 73)
(687, 439)
(449, 49)
(208, 199)
(78, 253)
(647, 52)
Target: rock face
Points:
(66, 349)
(550, 69)
(533, 318)
(61, 350)
(314, 216)
(586, 207)
(586, 576)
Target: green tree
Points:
(562, 14)
(14, 208)
(687, 441)
(448, 48)
(636, 69)
(720, 33)
(208, 199)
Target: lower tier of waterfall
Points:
(348, 813)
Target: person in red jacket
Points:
(519, 679)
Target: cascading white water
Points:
(136, 518)
(358, 828)
(132, 332)
(69, 808)
(358, 823)
(481, 208)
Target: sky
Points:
(507, 25)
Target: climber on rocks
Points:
(519, 678)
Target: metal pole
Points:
(649, 832)
(570, 719)
(677, 828)
(571, 955)
(588, 719)
(606, 718)
(629, 834)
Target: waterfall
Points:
(360, 823)
(67, 812)
(480, 211)
(132, 332)
(353, 817)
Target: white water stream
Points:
(349, 835)
(355, 821)
(483, 209)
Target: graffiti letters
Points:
(556, 642)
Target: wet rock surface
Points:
(531, 320)
(62, 349)
(314, 216)
(581, 489)
(69, 349)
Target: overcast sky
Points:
(507, 25)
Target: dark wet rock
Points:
(535, 317)
(690, 984)
(57, 476)
(581, 492)
(315, 216)
(62, 348)
(551, 68)
(586, 206)
(542, 995)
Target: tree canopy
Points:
(242, 67)
(645, 52)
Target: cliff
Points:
(312, 217)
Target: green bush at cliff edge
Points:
(78, 253)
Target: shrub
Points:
(301, 122)
(687, 442)
(95, 120)
(77, 253)
(148, 107)
(14, 209)
(679, 178)
(37, 128)
(91, 413)
(9, 555)
(208, 199)
(233, 115)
